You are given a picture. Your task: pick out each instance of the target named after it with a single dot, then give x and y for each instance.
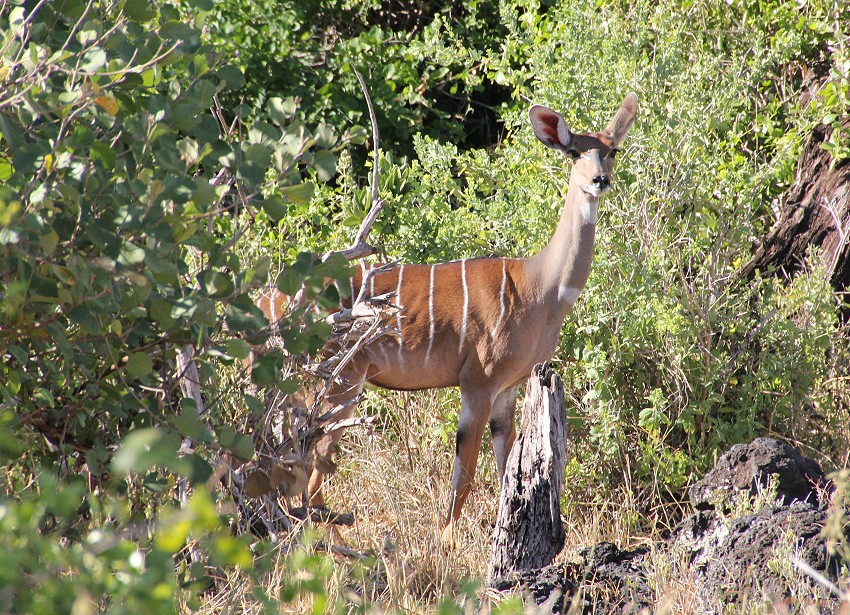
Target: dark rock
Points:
(749, 467)
(752, 555)
(726, 559)
(610, 580)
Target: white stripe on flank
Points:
(398, 314)
(465, 304)
(502, 297)
(383, 348)
(430, 316)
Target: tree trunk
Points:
(816, 213)
(528, 531)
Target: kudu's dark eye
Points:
(573, 154)
(613, 153)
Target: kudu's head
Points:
(593, 152)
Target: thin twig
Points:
(821, 580)
(360, 248)
(842, 234)
(376, 148)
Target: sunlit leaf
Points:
(299, 193)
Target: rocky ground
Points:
(755, 537)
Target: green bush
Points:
(158, 160)
(124, 195)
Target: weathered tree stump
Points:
(528, 531)
(816, 212)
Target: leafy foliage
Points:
(426, 62)
(124, 193)
(159, 160)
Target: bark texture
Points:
(816, 213)
(528, 531)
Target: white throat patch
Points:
(568, 294)
(589, 210)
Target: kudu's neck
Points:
(560, 271)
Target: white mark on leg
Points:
(568, 294)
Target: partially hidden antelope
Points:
(483, 323)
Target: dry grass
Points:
(394, 477)
(396, 483)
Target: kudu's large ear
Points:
(619, 125)
(550, 127)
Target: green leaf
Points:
(289, 281)
(325, 136)
(185, 116)
(325, 164)
(103, 154)
(139, 10)
(145, 448)
(255, 406)
(299, 193)
(231, 551)
(215, 284)
(190, 424)
(189, 150)
(238, 349)
(93, 60)
(243, 447)
(288, 386)
(160, 312)
(6, 170)
(139, 364)
(202, 5)
(267, 369)
(231, 76)
(281, 110)
(336, 266)
(155, 482)
(258, 154)
(198, 469)
(48, 241)
(243, 315)
(275, 207)
(131, 254)
(11, 131)
(205, 194)
(43, 398)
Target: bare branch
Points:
(360, 248)
(375, 143)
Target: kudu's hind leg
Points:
(340, 394)
(503, 428)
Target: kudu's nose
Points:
(603, 181)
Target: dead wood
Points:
(528, 532)
(815, 213)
